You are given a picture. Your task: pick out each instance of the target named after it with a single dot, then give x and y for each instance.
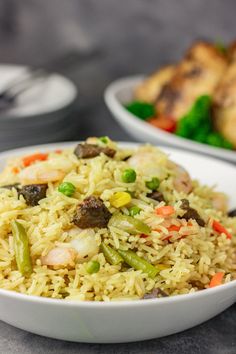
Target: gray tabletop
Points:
(115, 39)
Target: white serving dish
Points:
(41, 114)
(129, 320)
(121, 91)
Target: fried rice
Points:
(189, 238)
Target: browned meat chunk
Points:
(158, 196)
(155, 293)
(232, 213)
(91, 213)
(87, 151)
(11, 186)
(191, 213)
(33, 193)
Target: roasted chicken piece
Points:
(150, 88)
(198, 74)
(225, 101)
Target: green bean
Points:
(111, 255)
(129, 224)
(21, 245)
(138, 263)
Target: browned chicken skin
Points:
(198, 74)
(225, 100)
(150, 88)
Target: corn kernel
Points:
(120, 199)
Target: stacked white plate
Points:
(41, 114)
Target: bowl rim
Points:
(114, 303)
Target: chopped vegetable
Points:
(129, 176)
(120, 199)
(129, 224)
(138, 263)
(164, 211)
(67, 188)
(153, 184)
(104, 139)
(173, 228)
(216, 279)
(142, 110)
(197, 124)
(93, 267)
(134, 210)
(165, 123)
(22, 250)
(111, 255)
(220, 229)
(15, 170)
(29, 160)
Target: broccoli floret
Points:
(142, 110)
(197, 125)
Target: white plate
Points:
(129, 320)
(121, 91)
(47, 96)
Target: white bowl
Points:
(111, 322)
(121, 91)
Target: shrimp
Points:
(182, 181)
(84, 242)
(60, 257)
(147, 162)
(219, 202)
(39, 174)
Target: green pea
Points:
(93, 267)
(153, 184)
(134, 210)
(67, 189)
(129, 176)
(104, 139)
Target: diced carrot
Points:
(220, 229)
(174, 228)
(171, 228)
(15, 170)
(216, 279)
(58, 151)
(166, 210)
(29, 160)
(163, 122)
(143, 236)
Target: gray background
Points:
(117, 38)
